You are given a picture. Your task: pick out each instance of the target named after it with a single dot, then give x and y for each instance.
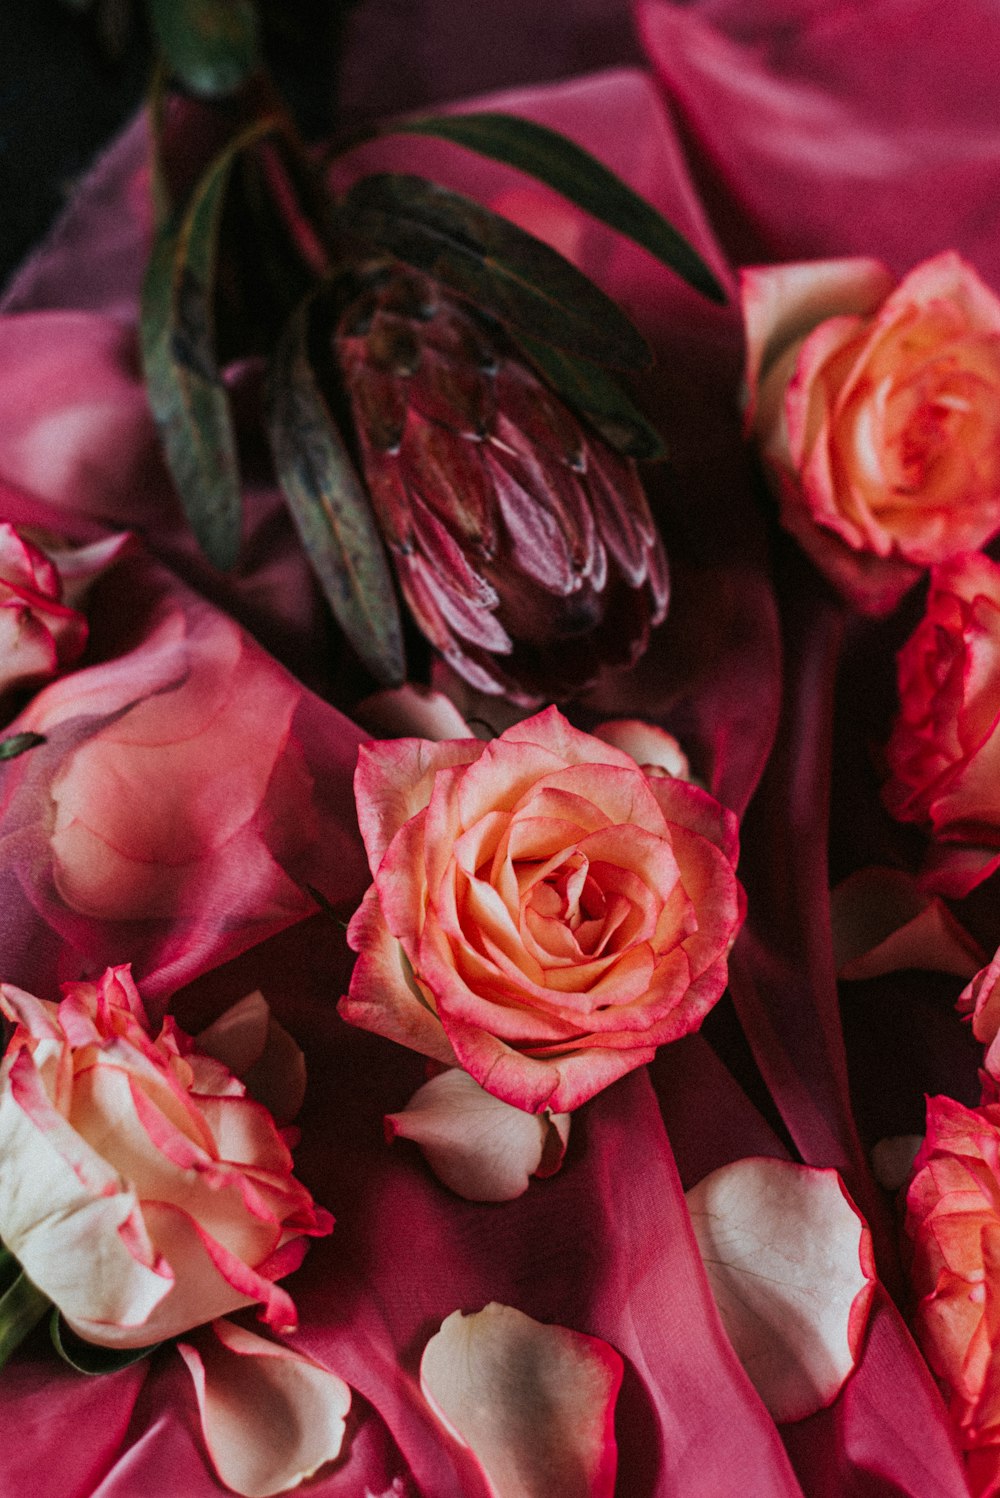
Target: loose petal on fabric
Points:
(270, 1416)
(883, 922)
(481, 1147)
(535, 1403)
(788, 1257)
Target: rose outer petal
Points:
(789, 1260)
(484, 1149)
(270, 1416)
(534, 1403)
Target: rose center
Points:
(571, 898)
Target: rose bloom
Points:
(170, 793)
(944, 751)
(877, 410)
(141, 1189)
(953, 1220)
(544, 914)
(39, 634)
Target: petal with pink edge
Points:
(411, 711)
(478, 1145)
(654, 749)
(534, 1403)
(782, 303)
(250, 1041)
(270, 1416)
(789, 1260)
(883, 922)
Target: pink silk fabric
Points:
(789, 128)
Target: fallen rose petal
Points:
(411, 712)
(892, 1159)
(484, 1149)
(789, 1260)
(653, 749)
(270, 1416)
(535, 1403)
(261, 1053)
(883, 922)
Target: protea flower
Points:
(523, 543)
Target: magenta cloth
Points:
(783, 129)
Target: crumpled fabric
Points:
(789, 129)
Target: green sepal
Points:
(19, 743)
(598, 396)
(329, 505)
(499, 268)
(211, 46)
(184, 385)
(577, 175)
(87, 1357)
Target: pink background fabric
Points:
(786, 129)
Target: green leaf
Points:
(577, 175)
(185, 389)
(87, 1357)
(22, 1306)
(329, 505)
(211, 46)
(597, 395)
(18, 743)
(495, 265)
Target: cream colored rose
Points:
(141, 1189)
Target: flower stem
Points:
(21, 1306)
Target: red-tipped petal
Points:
(270, 1416)
(535, 1403)
(788, 1257)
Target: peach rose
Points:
(877, 410)
(544, 914)
(944, 751)
(141, 1189)
(39, 634)
(953, 1220)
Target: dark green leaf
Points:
(597, 395)
(86, 1357)
(18, 743)
(330, 507)
(496, 266)
(211, 46)
(185, 389)
(577, 175)
(22, 1305)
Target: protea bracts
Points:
(522, 541)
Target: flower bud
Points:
(523, 543)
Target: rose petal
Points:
(251, 1042)
(788, 1257)
(892, 1159)
(652, 748)
(883, 922)
(781, 303)
(411, 712)
(270, 1416)
(535, 1403)
(481, 1147)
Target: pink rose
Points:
(543, 914)
(877, 410)
(188, 792)
(953, 1220)
(141, 1189)
(944, 752)
(39, 633)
